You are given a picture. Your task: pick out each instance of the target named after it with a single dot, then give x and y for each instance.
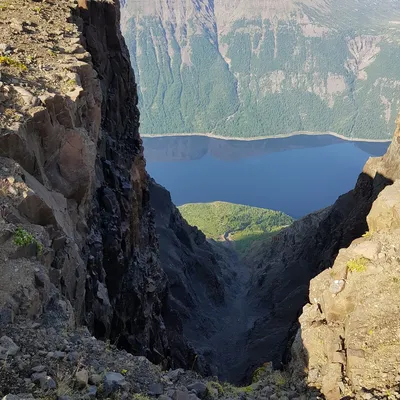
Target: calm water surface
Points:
(296, 175)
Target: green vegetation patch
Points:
(238, 223)
(222, 389)
(367, 235)
(10, 62)
(357, 264)
(23, 238)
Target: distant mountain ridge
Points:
(257, 68)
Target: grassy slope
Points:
(246, 224)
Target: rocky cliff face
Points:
(74, 176)
(74, 180)
(199, 274)
(122, 249)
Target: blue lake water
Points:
(296, 175)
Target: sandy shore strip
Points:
(249, 139)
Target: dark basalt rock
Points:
(125, 286)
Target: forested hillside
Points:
(259, 68)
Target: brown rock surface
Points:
(362, 321)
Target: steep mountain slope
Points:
(73, 176)
(265, 68)
(199, 276)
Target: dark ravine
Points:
(198, 277)
(207, 290)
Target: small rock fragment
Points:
(7, 347)
(92, 391)
(4, 47)
(339, 357)
(37, 376)
(113, 381)
(199, 387)
(156, 389)
(38, 368)
(95, 379)
(337, 286)
(28, 98)
(82, 378)
(174, 374)
(48, 383)
(59, 354)
(180, 395)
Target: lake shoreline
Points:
(281, 136)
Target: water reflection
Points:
(297, 175)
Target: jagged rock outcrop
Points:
(348, 341)
(122, 248)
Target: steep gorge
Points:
(87, 238)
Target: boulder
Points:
(180, 395)
(199, 388)
(113, 382)
(82, 378)
(7, 347)
(368, 249)
(47, 383)
(156, 389)
(385, 211)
